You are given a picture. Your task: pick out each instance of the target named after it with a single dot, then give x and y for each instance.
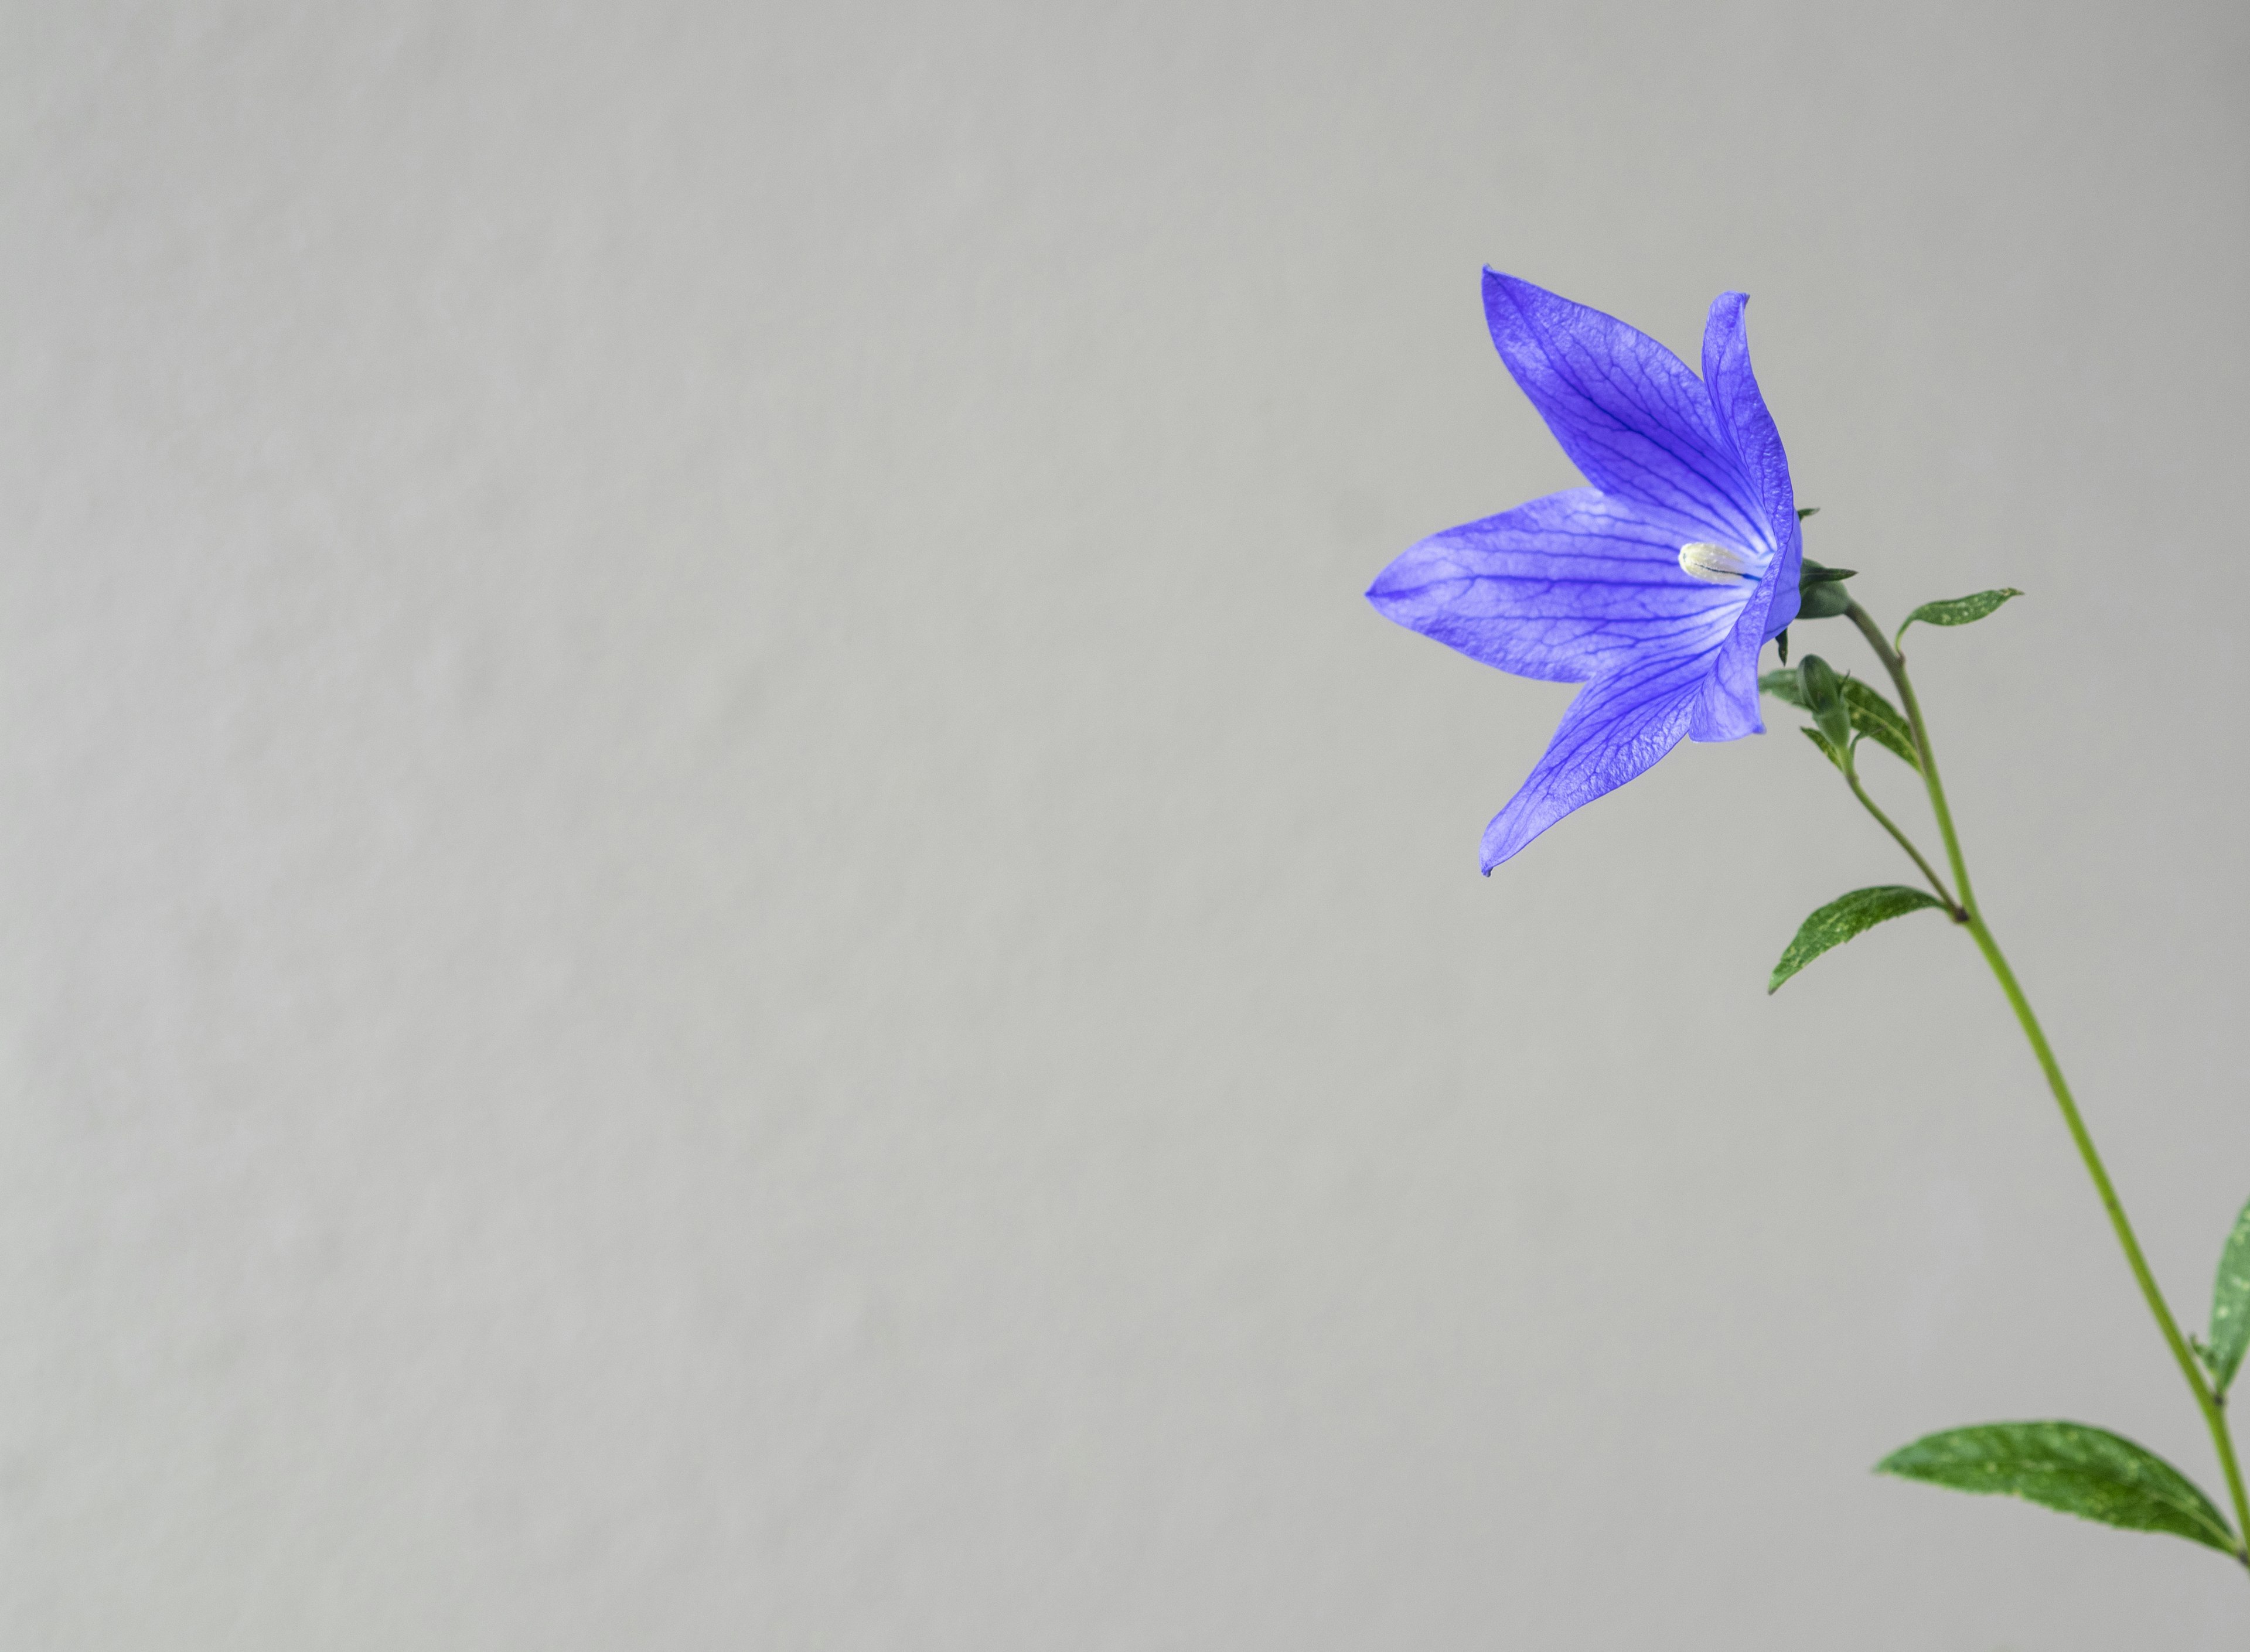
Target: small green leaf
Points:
(1826, 751)
(1804, 510)
(1842, 919)
(1783, 685)
(2230, 1306)
(1960, 611)
(1872, 714)
(1880, 721)
(2085, 1471)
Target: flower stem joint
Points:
(1820, 592)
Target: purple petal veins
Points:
(1563, 589)
(1634, 420)
(1749, 428)
(1588, 586)
(1616, 729)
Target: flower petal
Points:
(1637, 423)
(1563, 589)
(1749, 430)
(1727, 708)
(1616, 729)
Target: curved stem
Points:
(1895, 663)
(2214, 1414)
(1851, 779)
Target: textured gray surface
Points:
(721, 928)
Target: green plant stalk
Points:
(2214, 1414)
(1850, 768)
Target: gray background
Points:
(723, 929)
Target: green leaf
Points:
(2230, 1306)
(1960, 611)
(1783, 685)
(1872, 714)
(1841, 919)
(2085, 1471)
(1826, 750)
(1881, 722)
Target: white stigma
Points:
(1719, 564)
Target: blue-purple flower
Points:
(1657, 587)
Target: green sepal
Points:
(2081, 1470)
(1820, 592)
(2230, 1307)
(1824, 601)
(1881, 722)
(1804, 510)
(1842, 919)
(1958, 610)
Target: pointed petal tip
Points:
(1501, 288)
(1505, 838)
(1387, 598)
(1379, 588)
(1493, 863)
(1502, 284)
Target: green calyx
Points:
(1820, 592)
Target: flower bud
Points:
(1824, 699)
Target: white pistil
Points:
(1718, 564)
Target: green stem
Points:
(1851, 779)
(2214, 1414)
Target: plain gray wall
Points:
(723, 928)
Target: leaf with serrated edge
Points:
(1956, 610)
(1881, 722)
(2230, 1306)
(1844, 918)
(2081, 1470)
